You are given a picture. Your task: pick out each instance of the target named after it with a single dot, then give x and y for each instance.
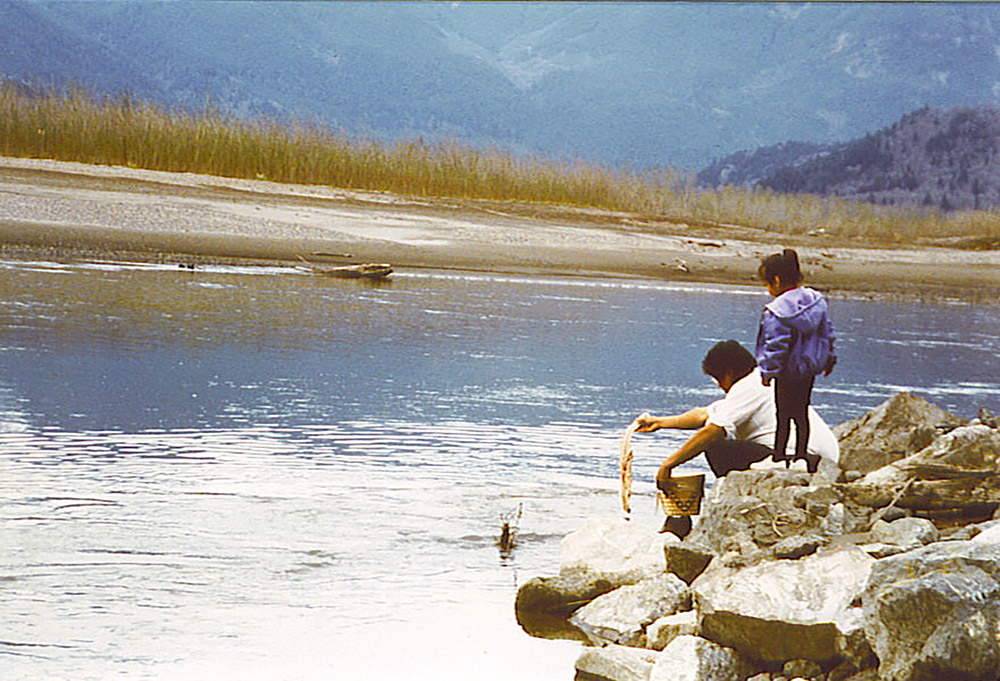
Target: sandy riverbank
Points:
(75, 210)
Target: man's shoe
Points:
(679, 525)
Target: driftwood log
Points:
(956, 477)
(924, 494)
(371, 270)
(362, 271)
(945, 493)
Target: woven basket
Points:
(683, 494)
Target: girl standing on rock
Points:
(794, 345)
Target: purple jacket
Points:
(795, 335)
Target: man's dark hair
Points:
(728, 357)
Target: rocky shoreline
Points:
(887, 568)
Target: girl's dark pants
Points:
(792, 395)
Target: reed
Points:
(73, 125)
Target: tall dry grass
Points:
(73, 125)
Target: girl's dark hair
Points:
(784, 265)
(728, 357)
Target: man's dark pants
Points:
(734, 455)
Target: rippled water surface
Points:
(258, 474)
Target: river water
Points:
(260, 474)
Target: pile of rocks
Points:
(887, 570)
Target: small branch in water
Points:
(508, 529)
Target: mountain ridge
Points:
(631, 85)
(949, 159)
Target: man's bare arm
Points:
(695, 445)
(689, 420)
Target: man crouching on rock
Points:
(735, 432)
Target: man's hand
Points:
(647, 424)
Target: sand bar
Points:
(76, 210)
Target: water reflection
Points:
(256, 473)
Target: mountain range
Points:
(627, 84)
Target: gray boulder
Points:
(666, 629)
(943, 555)
(908, 532)
(957, 476)
(600, 557)
(562, 594)
(989, 533)
(690, 658)
(972, 450)
(933, 613)
(896, 429)
(623, 615)
(987, 418)
(687, 560)
(622, 552)
(879, 551)
(749, 512)
(797, 546)
(616, 663)
(801, 669)
(786, 609)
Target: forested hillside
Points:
(946, 159)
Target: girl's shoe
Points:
(812, 461)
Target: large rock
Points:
(973, 450)
(742, 511)
(908, 532)
(620, 551)
(691, 658)
(989, 535)
(797, 546)
(600, 557)
(941, 555)
(623, 615)
(958, 474)
(664, 630)
(896, 429)
(933, 613)
(750, 511)
(687, 560)
(561, 594)
(786, 609)
(616, 663)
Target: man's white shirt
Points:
(747, 412)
